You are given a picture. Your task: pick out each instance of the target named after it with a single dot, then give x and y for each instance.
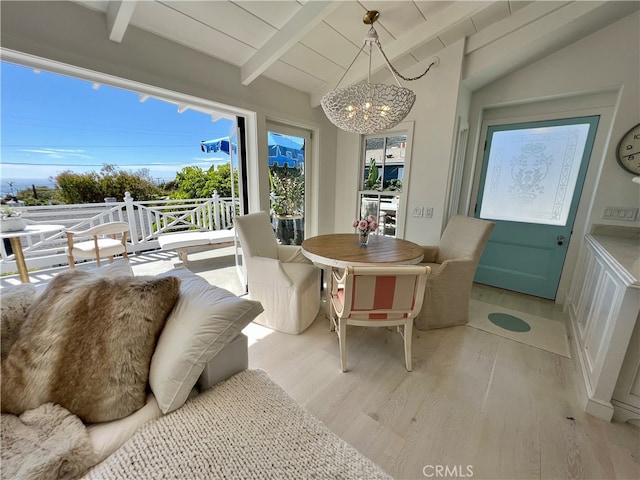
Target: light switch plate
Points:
(628, 214)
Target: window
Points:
(384, 164)
(288, 172)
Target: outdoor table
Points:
(16, 244)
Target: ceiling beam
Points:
(438, 24)
(519, 19)
(119, 13)
(310, 15)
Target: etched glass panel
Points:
(532, 172)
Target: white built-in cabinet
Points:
(604, 306)
(626, 396)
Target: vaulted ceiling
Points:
(308, 45)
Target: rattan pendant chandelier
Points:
(368, 108)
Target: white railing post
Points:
(131, 217)
(216, 209)
(169, 216)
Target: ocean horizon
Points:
(7, 185)
(14, 185)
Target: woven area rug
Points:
(545, 334)
(244, 428)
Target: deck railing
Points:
(147, 220)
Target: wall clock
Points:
(628, 150)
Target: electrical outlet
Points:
(428, 212)
(418, 212)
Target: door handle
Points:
(560, 239)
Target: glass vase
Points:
(363, 238)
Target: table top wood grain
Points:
(343, 249)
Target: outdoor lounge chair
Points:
(104, 243)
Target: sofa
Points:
(176, 402)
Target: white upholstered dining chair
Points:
(370, 296)
(107, 240)
(278, 276)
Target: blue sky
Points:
(51, 123)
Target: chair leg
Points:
(72, 262)
(111, 259)
(342, 338)
(408, 332)
(332, 317)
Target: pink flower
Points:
(363, 225)
(355, 223)
(373, 225)
(371, 219)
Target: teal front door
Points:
(530, 186)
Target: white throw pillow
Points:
(119, 268)
(203, 320)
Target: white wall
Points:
(599, 74)
(74, 35)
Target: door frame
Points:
(238, 132)
(602, 103)
(511, 230)
(310, 170)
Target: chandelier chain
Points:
(394, 70)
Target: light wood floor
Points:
(505, 409)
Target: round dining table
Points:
(341, 250)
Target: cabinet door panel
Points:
(600, 319)
(588, 294)
(628, 386)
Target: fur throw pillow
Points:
(14, 305)
(87, 345)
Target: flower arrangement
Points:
(364, 227)
(8, 212)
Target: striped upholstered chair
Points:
(378, 297)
